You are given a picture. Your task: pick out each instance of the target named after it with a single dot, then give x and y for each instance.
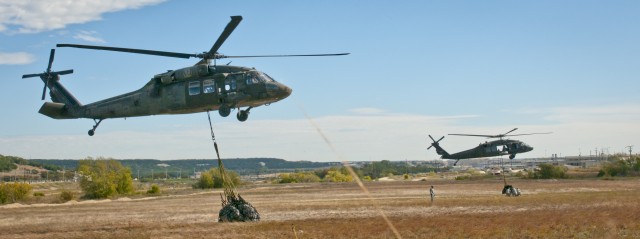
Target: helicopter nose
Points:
(528, 148)
(279, 91)
(287, 91)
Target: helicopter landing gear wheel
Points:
(454, 164)
(243, 115)
(224, 110)
(93, 130)
(512, 156)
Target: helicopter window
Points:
(230, 84)
(208, 86)
(194, 87)
(252, 78)
(266, 77)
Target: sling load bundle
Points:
(234, 207)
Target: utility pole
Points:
(630, 147)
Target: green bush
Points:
(102, 178)
(300, 177)
(38, 194)
(13, 192)
(548, 171)
(337, 176)
(66, 196)
(154, 189)
(213, 179)
(620, 167)
(205, 181)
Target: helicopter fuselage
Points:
(492, 149)
(192, 89)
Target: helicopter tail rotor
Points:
(435, 142)
(48, 75)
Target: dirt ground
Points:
(589, 208)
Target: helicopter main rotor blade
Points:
(530, 134)
(514, 129)
(476, 135)
(235, 20)
(132, 50)
(331, 54)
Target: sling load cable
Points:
(226, 183)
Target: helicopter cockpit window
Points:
(208, 86)
(252, 78)
(194, 87)
(266, 77)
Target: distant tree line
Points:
(369, 171)
(8, 163)
(385, 168)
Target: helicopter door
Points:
(230, 85)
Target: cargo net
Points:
(234, 207)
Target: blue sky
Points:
(416, 68)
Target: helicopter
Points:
(198, 88)
(494, 148)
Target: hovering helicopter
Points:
(199, 88)
(487, 149)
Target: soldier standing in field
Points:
(432, 193)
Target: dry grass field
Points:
(588, 208)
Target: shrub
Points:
(66, 196)
(38, 194)
(367, 178)
(13, 192)
(620, 167)
(337, 176)
(103, 178)
(213, 179)
(154, 189)
(206, 181)
(548, 171)
(300, 177)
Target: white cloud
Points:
(36, 16)
(89, 36)
(16, 58)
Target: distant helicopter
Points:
(487, 149)
(199, 88)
